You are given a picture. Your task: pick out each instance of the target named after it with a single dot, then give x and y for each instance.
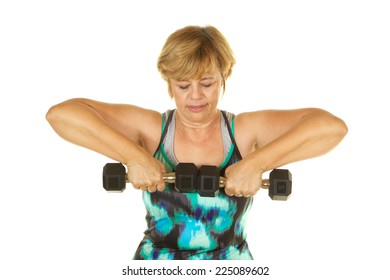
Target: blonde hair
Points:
(193, 51)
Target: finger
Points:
(251, 193)
(152, 188)
(161, 187)
(228, 192)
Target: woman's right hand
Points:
(146, 173)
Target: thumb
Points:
(162, 167)
(228, 170)
(161, 185)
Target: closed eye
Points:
(207, 85)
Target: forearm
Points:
(313, 135)
(81, 125)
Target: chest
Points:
(205, 150)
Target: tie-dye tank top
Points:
(187, 226)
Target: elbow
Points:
(333, 125)
(59, 111)
(329, 126)
(52, 114)
(331, 131)
(344, 128)
(340, 128)
(56, 113)
(335, 132)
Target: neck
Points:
(198, 131)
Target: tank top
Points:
(187, 226)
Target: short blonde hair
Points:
(193, 51)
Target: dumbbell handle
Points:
(171, 178)
(167, 177)
(264, 182)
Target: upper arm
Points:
(261, 127)
(140, 125)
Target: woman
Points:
(196, 61)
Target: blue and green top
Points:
(187, 226)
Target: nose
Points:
(195, 92)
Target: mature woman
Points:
(196, 62)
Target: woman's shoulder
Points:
(243, 126)
(254, 129)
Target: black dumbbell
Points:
(279, 184)
(206, 181)
(187, 178)
(115, 178)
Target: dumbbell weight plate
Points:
(186, 175)
(280, 184)
(114, 177)
(208, 181)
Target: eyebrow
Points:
(202, 79)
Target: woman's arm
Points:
(284, 136)
(273, 138)
(124, 133)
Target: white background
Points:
(57, 222)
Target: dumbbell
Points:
(279, 183)
(206, 181)
(185, 178)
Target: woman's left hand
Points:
(243, 178)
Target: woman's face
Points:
(197, 100)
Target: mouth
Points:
(196, 108)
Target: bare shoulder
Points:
(261, 127)
(246, 129)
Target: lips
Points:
(197, 108)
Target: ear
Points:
(225, 76)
